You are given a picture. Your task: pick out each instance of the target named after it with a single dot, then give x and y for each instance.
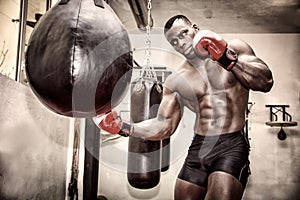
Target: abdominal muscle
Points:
(214, 95)
(219, 114)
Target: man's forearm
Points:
(253, 74)
(152, 129)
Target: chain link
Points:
(148, 70)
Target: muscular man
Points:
(214, 83)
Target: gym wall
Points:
(33, 146)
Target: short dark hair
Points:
(170, 22)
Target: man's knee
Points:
(223, 186)
(188, 191)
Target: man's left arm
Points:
(235, 56)
(252, 72)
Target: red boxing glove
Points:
(207, 42)
(113, 124)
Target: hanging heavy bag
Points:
(78, 60)
(144, 156)
(165, 154)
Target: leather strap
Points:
(62, 2)
(98, 3)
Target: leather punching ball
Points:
(144, 156)
(78, 60)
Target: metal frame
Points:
(21, 38)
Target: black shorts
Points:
(226, 152)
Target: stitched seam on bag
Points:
(74, 43)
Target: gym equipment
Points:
(78, 61)
(285, 122)
(91, 161)
(144, 156)
(30, 23)
(165, 154)
(113, 124)
(207, 42)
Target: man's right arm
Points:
(163, 126)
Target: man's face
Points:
(180, 36)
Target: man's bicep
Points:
(246, 53)
(241, 47)
(170, 108)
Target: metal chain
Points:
(148, 70)
(148, 36)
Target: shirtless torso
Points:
(218, 97)
(211, 93)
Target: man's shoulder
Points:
(236, 42)
(175, 79)
(239, 45)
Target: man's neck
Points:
(197, 62)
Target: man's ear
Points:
(195, 27)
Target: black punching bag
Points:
(144, 156)
(165, 154)
(78, 60)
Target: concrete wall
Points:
(33, 146)
(274, 164)
(33, 140)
